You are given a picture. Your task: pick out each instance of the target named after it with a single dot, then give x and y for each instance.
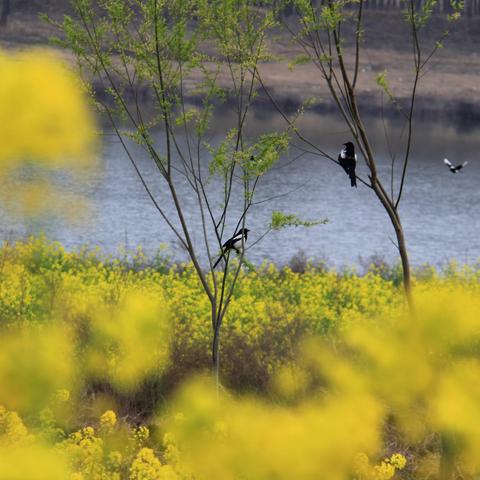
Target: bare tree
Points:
(321, 30)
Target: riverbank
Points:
(450, 92)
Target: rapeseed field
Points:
(104, 371)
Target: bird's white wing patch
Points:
(464, 163)
(446, 161)
(343, 153)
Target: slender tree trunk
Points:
(216, 355)
(5, 13)
(403, 252)
(402, 248)
(402, 245)
(218, 311)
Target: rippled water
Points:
(440, 210)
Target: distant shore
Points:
(449, 92)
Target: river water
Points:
(439, 210)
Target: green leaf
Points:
(382, 82)
(282, 220)
(299, 60)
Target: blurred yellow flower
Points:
(34, 462)
(130, 340)
(45, 123)
(34, 365)
(233, 438)
(327, 404)
(44, 115)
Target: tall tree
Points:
(323, 30)
(172, 52)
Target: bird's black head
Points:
(349, 149)
(243, 232)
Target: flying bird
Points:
(348, 160)
(234, 243)
(453, 169)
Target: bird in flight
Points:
(453, 169)
(348, 160)
(234, 243)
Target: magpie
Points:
(453, 169)
(234, 243)
(348, 160)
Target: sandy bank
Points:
(449, 92)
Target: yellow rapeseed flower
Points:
(44, 115)
(108, 420)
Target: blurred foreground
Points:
(325, 376)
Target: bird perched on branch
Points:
(348, 160)
(453, 169)
(234, 243)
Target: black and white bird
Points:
(234, 243)
(348, 160)
(453, 168)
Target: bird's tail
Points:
(353, 180)
(218, 261)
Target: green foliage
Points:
(457, 7)
(131, 43)
(422, 17)
(331, 15)
(326, 17)
(265, 153)
(159, 46)
(281, 220)
(382, 82)
(223, 156)
(238, 29)
(301, 59)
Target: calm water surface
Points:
(440, 210)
